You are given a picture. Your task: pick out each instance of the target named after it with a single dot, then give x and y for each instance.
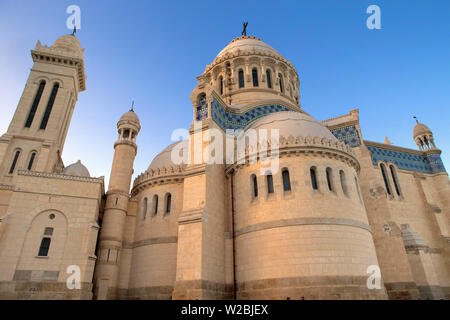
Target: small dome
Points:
(68, 43)
(130, 116)
(164, 159)
(247, 43)
(411, 238)
(76, 169)
(420, 129)
(292, 123)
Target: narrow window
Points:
(286, 180)
(48, 231)
(314, 184)
(13, 165)
(202, 108)
(281, 82)
(30, 163)
(48, 110)
(255, 77)
(343, 182)
(144, 208)
(394, 178)
(45, 245)
(269, 79)
(255, 186)
(35, 104)
(385, 178)
(241, 79)
(168, 202)
(269, 183)
(155, 205)
(357, 189)
(329, 177)
(221, 85)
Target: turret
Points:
(111, 235)
(423, 137)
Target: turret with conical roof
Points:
(423, 137)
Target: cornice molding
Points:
(59, 176)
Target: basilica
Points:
(340, 217)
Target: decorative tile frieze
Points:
(229, 120)
(348, 134)
(431, 163)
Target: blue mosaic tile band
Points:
(408, 161)
(349, 135)
(436, 163)
(228, 120)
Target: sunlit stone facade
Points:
(334, 206)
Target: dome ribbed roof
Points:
(130, 116)
(247, 43)
(68, 43)
(76, 169)
(292, 123)
(420, 129)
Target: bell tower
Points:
(116, 207)
(37, 132)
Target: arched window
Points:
(286, 180)
(44, 247)
(30, 163)
(281, 82)
(241, 78)
(155, 205)
(385, 178)
(329, 172)
(269, 183)
(343, 182)
(168, 202)
(45, 242)
(357, 189)
(50, 103)
(269, 79)
(254, 182)
(221, 85)
(202, 108)
(144, 208)
(35, 104)
(14, 162)
(394, 178)
(255, 77)
(313, 174)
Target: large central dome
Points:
(249, 71)
(247, 43)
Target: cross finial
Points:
(74, 30)
(417, 121)
(132, 106)
(244, 31)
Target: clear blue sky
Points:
(151, 52)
